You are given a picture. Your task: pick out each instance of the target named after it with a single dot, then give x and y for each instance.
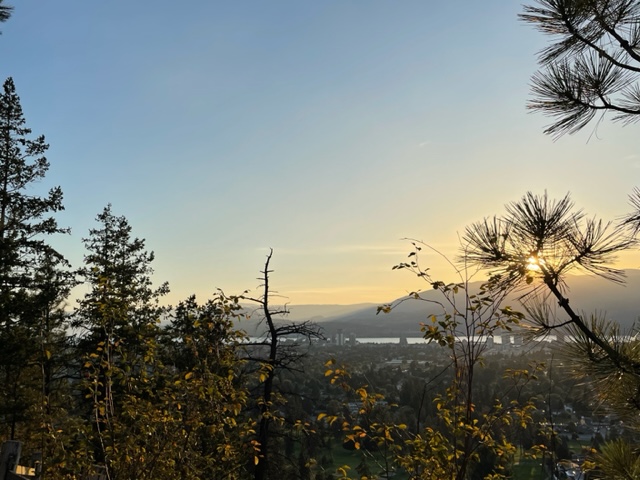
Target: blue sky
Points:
(328, 130)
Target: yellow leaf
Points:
(188, 375)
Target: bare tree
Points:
(278, 350)
(592, 64)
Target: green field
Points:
(528, 469)
(353, 458)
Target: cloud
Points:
(376, 249)
(340, 249)
(424, 144)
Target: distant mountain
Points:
(587, 294)
(621, 303)
(299, 313)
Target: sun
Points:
(533, 263)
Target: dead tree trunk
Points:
(277, 358)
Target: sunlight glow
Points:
(533, 263)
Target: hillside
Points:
(587, 294)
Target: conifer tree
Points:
(122, 304)
(50, 425)
(592, 65)
(5, 11)
(536, 244)
(26, 222)
(119, 319)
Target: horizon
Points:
(327, 131)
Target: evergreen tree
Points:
(592, 65)
(122, 305)
(119, 318)
(5, 11)
(49, 428)
(537, 243)
(25, 223)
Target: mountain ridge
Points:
(587, 294)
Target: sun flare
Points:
(533, 264)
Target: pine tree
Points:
(591, 66)
(533, 247)
(119, 318)
(25, 223)
(51, 427)
(5, 11)
(122, 305)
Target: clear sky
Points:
(328, 130)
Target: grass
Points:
(352, 458)
(528, 469)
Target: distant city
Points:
(501, 342)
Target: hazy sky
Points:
(327, 129)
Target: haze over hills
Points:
(587, 295)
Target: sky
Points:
(327, 130)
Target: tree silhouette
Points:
(5, 11)
(533, 247)
(279, 350)
(118, 318)
(26, 221)
(592, 64)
